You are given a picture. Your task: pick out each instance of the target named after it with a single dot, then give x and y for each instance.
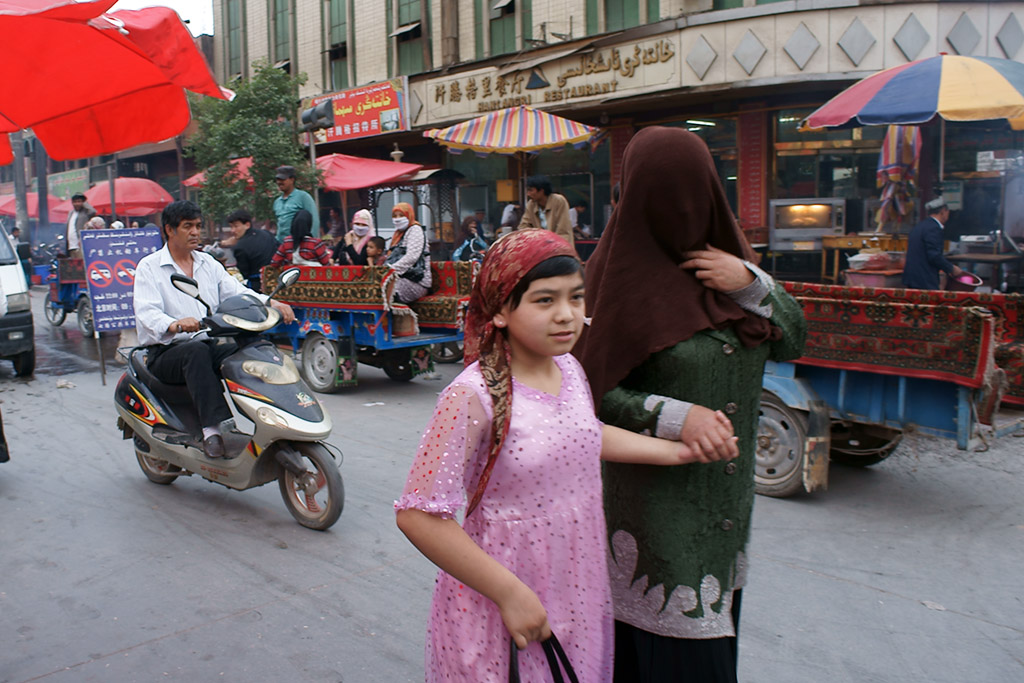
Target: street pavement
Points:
(906, 571)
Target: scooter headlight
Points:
(271, 373)
(270, 417)
(249, 326)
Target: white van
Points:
(17, 336)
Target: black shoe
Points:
(213, 447)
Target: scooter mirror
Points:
(287, 278)
(190, 287)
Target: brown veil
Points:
(638, 297)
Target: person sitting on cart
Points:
(166, 318)
(253, 248)
(924, 249)
(300, 247)
(375, 251)
(473, 244)
(351, 248)
(409, 256)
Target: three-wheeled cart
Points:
(69, 294)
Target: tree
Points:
(260, 122)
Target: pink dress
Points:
(541, 517)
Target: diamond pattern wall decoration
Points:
(856, 41)
(911, 38)
(701, 57)
(963, 36)
(1010, 36)
(749, 52)
(801, 46)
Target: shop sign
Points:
(645, 65)
(67, 183)
(111, 257)
(366, 111)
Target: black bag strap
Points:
(557, 661)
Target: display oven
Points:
(799, 224)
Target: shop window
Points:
(726, 4)
(621, 14)
(502, 26)
(234, 28)
(410, 37)
(281, 32)
(337, 58)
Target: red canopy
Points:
(241, 169)
(90, 83)
(8, 206)
(134, 197)
(343, 172)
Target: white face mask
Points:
(360, 229)
(401, 223)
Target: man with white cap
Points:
(924, 249)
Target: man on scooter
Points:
(166, 317)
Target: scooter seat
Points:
(173, 393)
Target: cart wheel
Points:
(55, 315)
(863, 445)
(84, 311)
(320, 363)
(447, 352)
(781, 433)
(398, 367)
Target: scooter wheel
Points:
(316, 498)
(156, 470)
(85, 322)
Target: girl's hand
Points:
(524, 616)
(717, 269)
(709, 435)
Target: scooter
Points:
(265, 386)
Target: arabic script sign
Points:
(370, 110)
(624, 69)
(110, 260)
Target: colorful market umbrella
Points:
(953, 87)
(89, 83)
(8, 208)
(897, 174)
(134, 197)
(513, 130)
(343, 172)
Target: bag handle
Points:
(557, 660)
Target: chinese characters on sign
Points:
(110, 260)
(630, 67)
(362, 112)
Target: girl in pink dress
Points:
(515, 442)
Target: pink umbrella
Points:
(8, 208)
(240, 168)
(134, 197)
(343, 172)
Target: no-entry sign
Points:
(111, 257)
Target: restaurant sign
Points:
(618, 71)
(369, 110)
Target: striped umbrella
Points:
(508, 131)
(952, 87)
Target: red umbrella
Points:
(89, 83)
(7, 205)
(241, 169)
(134, 197)
(343, 172)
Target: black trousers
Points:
(643, 657)
(196, 364)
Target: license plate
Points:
(803, 246)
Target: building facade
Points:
(740, 73)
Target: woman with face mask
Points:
(351, 250)
(409, 256)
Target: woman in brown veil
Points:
(682, 324)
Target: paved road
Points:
(908, 571)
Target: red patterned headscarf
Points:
(506, 262)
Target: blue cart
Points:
(68, 294)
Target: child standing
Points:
(515, 436)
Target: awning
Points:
(543, 59)
(500, 3)
(404, 29)
(512, 130)
(343, 172)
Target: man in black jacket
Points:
(924, 249)
(253, 248)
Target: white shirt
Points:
(158, 303)
(73, 230)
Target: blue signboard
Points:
(110, 260)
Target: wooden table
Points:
(1000, 262)
(855, 241)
